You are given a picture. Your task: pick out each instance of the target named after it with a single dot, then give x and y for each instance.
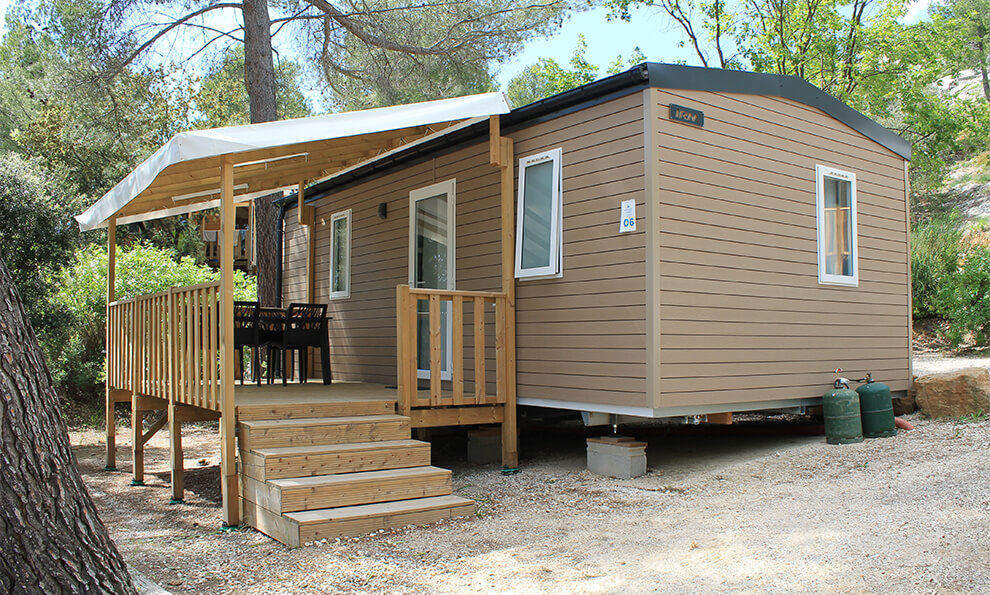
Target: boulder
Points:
(906, 404)
(954, 394)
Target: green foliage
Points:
(966, 298)
(396, 52)
(54, 106)
(223, 100)
(76, 349)
(39, 235)
(935, 253)
(547, 77)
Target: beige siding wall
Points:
(742, 315)
(581, 338)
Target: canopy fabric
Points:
(183, 176)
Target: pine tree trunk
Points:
(259, 78)
(51, 538)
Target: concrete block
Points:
(617, 456)
(484, 446)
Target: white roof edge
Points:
(201, 144)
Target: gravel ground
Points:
(757, 506)
(931, 363)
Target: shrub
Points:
(38, 234)
(935, 253)
(76, 348)
(966, 298)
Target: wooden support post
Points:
(137, 445)
(228, 448)
(495, 141)
(301, 203)
(308, 215)
(175, 453)
(510, 433)
(111, 415)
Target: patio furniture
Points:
(271, 329)
(246, 335)
(306, 326)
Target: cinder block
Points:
(617, 456)
(484, 446)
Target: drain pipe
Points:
(279, 235)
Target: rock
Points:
(958, 393)
(906, 404)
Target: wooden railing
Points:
(455, 392)
(120, 344)
(166, 345)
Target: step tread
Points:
(359, 511)
(320, 449)
(262, 424)
(358, 476)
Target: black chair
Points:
(246, 335)
(271, 331)
(306, 326)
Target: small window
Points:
(539, 216)
(837, 245)
(340, 255)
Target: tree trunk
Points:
(259, 78)
(50, 534)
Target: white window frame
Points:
(556, 267)
(340, 295)
(448, 187)
(822, 172)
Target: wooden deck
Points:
(314, 399)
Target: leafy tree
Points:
(969, 24)
(39, 235)
(547, 77)
(91, 131)
(222, 98)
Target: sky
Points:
(655, 35)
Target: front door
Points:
(431, 265)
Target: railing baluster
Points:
(479, 350)
(212, 351)
(435, 350)
(457, 348)
(500, 350)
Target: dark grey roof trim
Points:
(662, 76)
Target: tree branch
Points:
(170, 26)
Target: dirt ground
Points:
(759, 506)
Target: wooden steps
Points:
(347, 489)
(352, 472)
(304, 461)
(325, 430)
(268, 411)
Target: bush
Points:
(935, 254)
(966, 298)
(38, 234)
(76, 348)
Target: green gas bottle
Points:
(841, 409)
(876, 409)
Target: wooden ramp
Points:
(321, 462)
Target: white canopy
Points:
(184, 175)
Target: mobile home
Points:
(688, 241)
